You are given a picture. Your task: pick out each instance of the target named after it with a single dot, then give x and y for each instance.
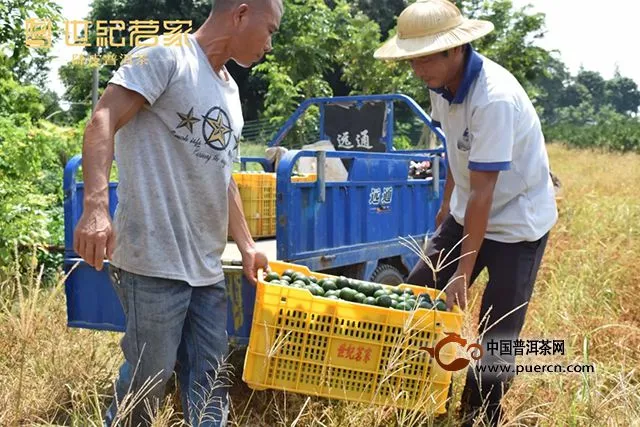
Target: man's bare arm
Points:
(476, 218)
(449, 184)
(94, 233)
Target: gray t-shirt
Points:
(174, 160)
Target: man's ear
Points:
(240, 14)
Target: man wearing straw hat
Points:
(499, 198)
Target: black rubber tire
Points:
(387, 275)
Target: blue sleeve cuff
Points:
(489, 167)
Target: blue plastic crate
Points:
(93, 304)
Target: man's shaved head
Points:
(248, 25)
(224, 5)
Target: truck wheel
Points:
(387, 275)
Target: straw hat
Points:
(431, 26)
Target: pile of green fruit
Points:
(357, 291)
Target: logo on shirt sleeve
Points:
(464, 144)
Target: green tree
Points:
(28, 65)
(304, 51)
(16, 98)
(315, 40)
(32, 158)
(52, 109)
(551, 85)
(367, 75)
(383, 12)
(595, 84)
(575, 94)
(78, 80)
(622, 94)
(581, 127)
(512, 43)
(580, 114)
(23, 70)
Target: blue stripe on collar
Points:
(472, 68)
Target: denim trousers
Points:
(171, 325)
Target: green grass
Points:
(587, 294)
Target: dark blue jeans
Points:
(169, 321)
(512, 269)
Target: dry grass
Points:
(586, 294)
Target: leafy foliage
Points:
(582, 127)
(32, 159)
(511, 44)
(383, 12)
(27, 65)
(622, 94)
(78, 81)
(16, 98)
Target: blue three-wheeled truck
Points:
(352, 227)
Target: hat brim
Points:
(397, 49)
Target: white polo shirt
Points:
(491, 125)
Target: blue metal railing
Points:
(359, 100)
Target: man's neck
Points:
(214, 42)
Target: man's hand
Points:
(456, 290)
(94, 237)
(252, 260)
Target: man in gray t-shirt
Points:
(173, 116)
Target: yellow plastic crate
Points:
(338, 349)
(258, 193)
(309, 177)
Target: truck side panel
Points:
(331, 224)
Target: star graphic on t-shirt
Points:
(219, 130)
(187, 120)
